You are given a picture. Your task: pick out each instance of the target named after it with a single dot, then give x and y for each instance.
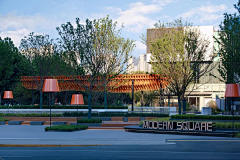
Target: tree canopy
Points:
(178, 52)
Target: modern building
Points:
(208, 88)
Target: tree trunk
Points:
(169, 100)
(179, 106)
(160, 98)
(65, 98)
(105, 94)
(105, 99)
(184, 106)
(89, 106)
(142, 99)
(41, 99)
(32, 98)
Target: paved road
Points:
(113, 144)
(180, 150)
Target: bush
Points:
(30, 115)
(3, 119)
(114, 114)
(227, 125)
(205, 117)
(89, 121)
(66, 128)
(60, 107)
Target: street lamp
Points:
(77, 99)
(8, 95)
(50, 85)
(232, 91)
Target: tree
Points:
(42, 53)
(95, 50)
(178, 53)
(12, 65)
(228, 48)
(114, 49)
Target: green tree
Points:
(114, 50)
(228, 40)
(179, 52)
(95, 50)
(12, 65)
(45, 58)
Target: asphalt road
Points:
(112, 144)
(180, 150)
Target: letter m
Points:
(145, 124)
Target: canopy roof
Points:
(118, 84)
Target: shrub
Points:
(205, 117)
(89, 121)
(60, 107)
(66, 128)
(3, 119)
(30, 115)
(114, 114)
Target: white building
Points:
(208, 88)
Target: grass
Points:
(66, 128)
(89, 121)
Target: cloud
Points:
(17, 27)
(205, 13)
(140, 46)
(13, 21)
(137, 16)
(16, 35)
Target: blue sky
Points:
(20, 17)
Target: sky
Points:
(18, 18)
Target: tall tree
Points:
(43, 55)
(114, 49)
(95, 50)
(228, 49)
(179, 52)
(12, 65)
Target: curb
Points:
(49, 145)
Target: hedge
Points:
(66, 128)
(227, 125)
(205, 117)
(89, 121)
(60, 107)
(114, 114)
(30, 115)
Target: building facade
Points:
(207, 89)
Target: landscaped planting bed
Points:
(66, 128)
(114, 114)
(60, 107)
(208, 117)
(30, 115)
(3, 119)
(89, 121)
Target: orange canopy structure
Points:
(118, 84)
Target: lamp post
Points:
(232, 91)
(50, 85)
(8, 95)
(77, 99)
